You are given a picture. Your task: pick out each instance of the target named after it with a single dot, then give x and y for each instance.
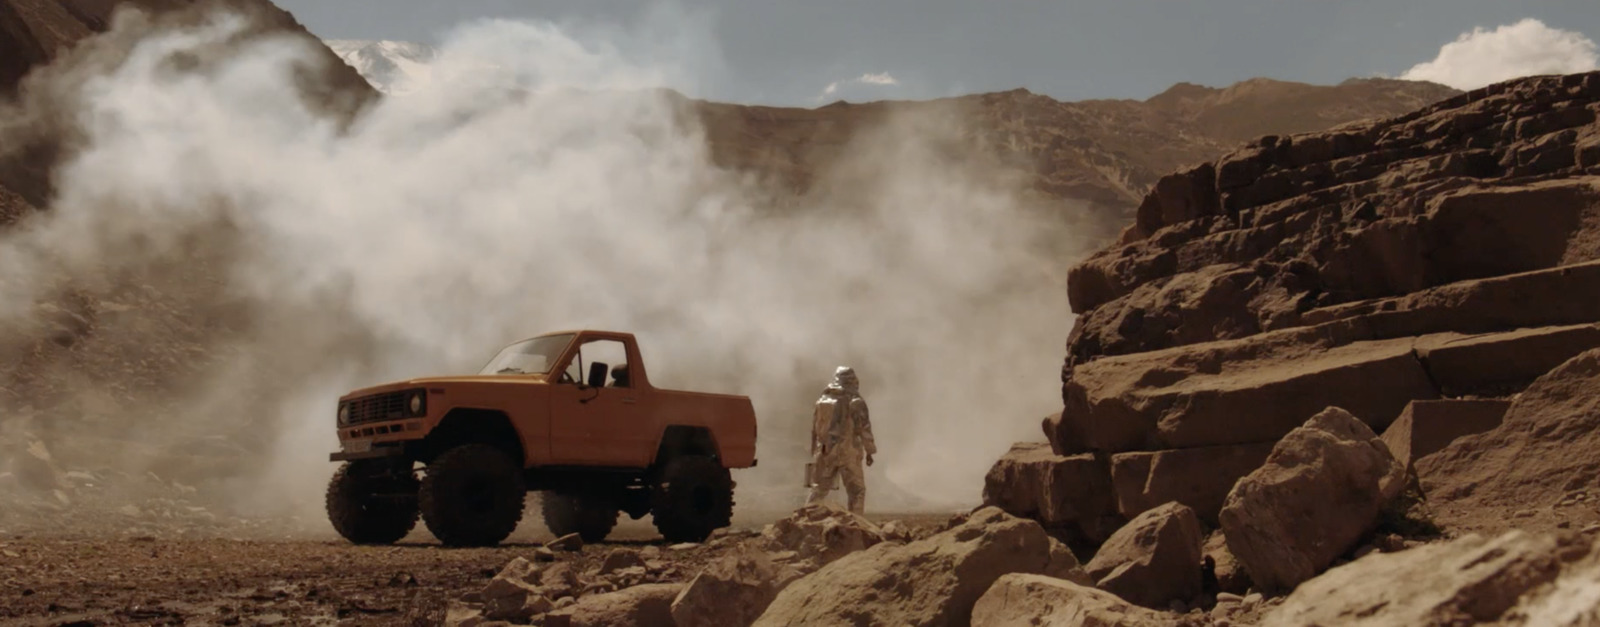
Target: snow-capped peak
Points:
(393, 67)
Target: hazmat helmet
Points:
(844, 378)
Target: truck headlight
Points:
(344, 414)
(417, 404)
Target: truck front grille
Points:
(391, 406)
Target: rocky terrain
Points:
(1343, 374)
(1333, 347)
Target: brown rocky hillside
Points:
(1108, 152)
(33, 33)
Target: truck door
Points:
(593, 425)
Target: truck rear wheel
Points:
(592, 518)
(472, 495)
(693, 498)
(372, 501)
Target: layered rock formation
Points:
(1434, 255)
(1418, 273)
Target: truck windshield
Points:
(535, 356)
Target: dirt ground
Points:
(68, 578)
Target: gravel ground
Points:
(66, 578)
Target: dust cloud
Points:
(251, 260)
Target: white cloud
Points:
(881, 78)
(868, 80)
(1526, 48)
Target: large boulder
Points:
(929, 582)
(821, 533)
(1426, 427)
(1466, 581)
(1197, 477)
(730, 592)
(1317, 496)
(1153, 560)
(1071, 493)
(648, 605)
(1519, 474)
(1019, 599)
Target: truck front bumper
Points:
(375, 453)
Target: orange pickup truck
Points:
(546, 414)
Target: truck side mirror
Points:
(597, 374)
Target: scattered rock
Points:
(509, 595)
(1317, 496)
(459, 614)
(822, 533)
(619, 559)
(1023, 599)
(569, 542)
(543, 554)
(1153, 560)
(896, 531)
(934, 581)
(731, 592)
(648, 605)
(559, 580)
(1465, 581)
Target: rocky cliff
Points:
(1395, 268)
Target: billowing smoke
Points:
(537, 182)
(1527, 48)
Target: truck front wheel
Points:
(693, 498)
(590, 517)
(472, 495)
(372, 501)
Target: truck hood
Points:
(423, 382)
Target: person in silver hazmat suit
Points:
(840, 434)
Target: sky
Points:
(790, 53)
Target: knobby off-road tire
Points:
(472, 495)
(372, 501)
(592, 518)
(693, 497)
